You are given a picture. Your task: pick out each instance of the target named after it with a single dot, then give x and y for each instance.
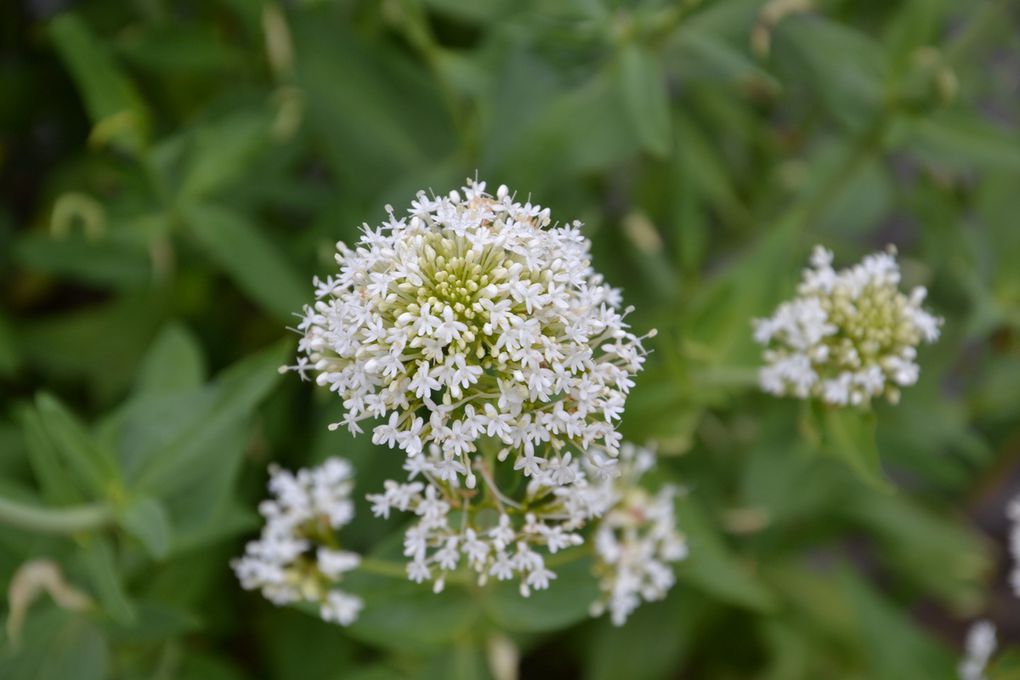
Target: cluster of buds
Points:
(297, 557)
(849, 336)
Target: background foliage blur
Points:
(174, 173)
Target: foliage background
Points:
(174, 173)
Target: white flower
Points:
(341, 607)
(478, 313)
(848, 336)
(636, 541)
(289, 563)
(980, 647)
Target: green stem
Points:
(382, 567)
(62, 520)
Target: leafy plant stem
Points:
(64, 520)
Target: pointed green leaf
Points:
(173, 363)
(642, 86)
(249, 258)
(146, 520)
(89, 460)
(113, 104)
(850, 434)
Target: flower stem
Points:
(382, 567)
(61, 520)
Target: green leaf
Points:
(100, 563)
(375, 136)
(962, 141)
(639, 650)
(645, 98)
(106, 261)
(299, 647)
(713, 568)
(567, 601)
(221, 153)
(190, 455)
(56, 644)
(57, 483)
(90, 461)
(146, 520)
(404, 616)
(701, 55)
(173, 363)
(187, 48)
(113, 104)
(913, 539)
(254, 263)
(896, 647)
(10, 356)
(842, 66)
(98, 345)
(849, 434)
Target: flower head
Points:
(848, 336)
(636, 541)
(473, 316)
(296, 557)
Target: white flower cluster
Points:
(1013, 513)
(495, 536)
(981, 645)
(498, 537)
(635, 542)
(297, 557)
(473, 317)
(848, 336)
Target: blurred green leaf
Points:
(115, 107)
(104, 261)
(404, 616)
(173, 363)
(841, 65)
(187, 458)
(146, 520)
(185, 48)
(850, 435)
(912, 540)
(55, 481)
(254, 263)
(56, 644)
(642, 87)
(896, 648)
(221, 151)
(567, 600)
(91, 463)
(656, 639)
(713, 568)
(10, 356)
(100, 343)
(962, 141)
(99, 560)
(700, 55)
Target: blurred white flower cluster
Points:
(1013, 513)
(297, 557)
(636, 542)
(980, 646)
(472, 316)
(849, 336)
